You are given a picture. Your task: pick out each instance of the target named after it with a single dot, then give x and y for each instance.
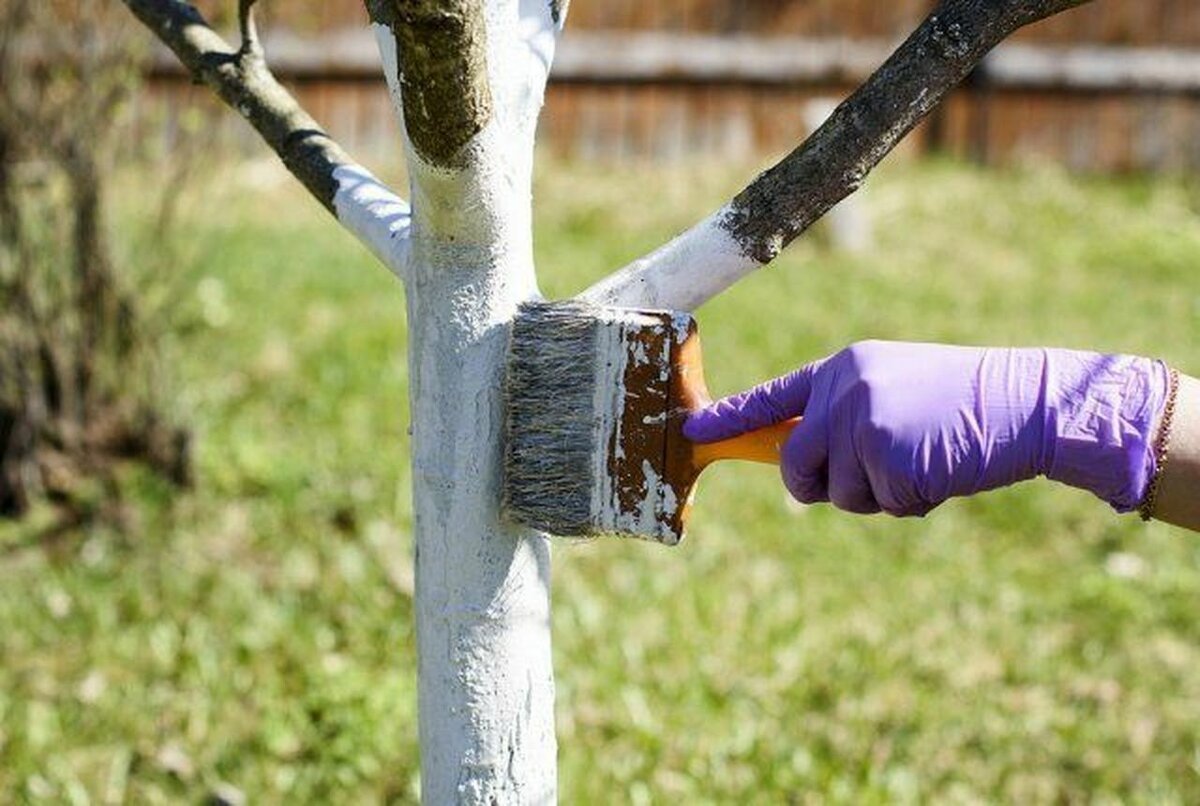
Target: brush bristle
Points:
(587, 393)
(550, 391)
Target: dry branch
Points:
(78, 362)
(241, 78)
(831, 164)
(243, 81)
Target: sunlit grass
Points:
(1025, 646)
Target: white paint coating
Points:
(609, 409)
(376, 215)
(680, 275)
(682, 322)
(486, 686)
(391, 66)
(670, 502)
(648, 511)
(618, 345)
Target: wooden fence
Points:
(1109, 22)
(1114, 86)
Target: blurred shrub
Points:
(76, 356)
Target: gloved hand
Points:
(901, 427)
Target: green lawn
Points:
(1024, 646)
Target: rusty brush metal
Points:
(593, 419)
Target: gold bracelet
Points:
(1162, 448)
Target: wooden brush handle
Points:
(762, 445)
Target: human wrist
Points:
(1102, 413)
(1177, 501)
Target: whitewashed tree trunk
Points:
(474, 72)
(483, 620)
(486, 686)
(483, 612)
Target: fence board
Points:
(1114, 22)
(656, 96)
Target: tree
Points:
(467, 79)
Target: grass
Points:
(256, 633)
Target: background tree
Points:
(467, 79)
(76, 362)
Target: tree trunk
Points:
(486, 684)
(469, 91)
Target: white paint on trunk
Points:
(680, 275)
(486, 685)
(391, 66)
(376, 215)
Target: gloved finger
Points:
(765, 404)
(804, 461)
(917, 509)
(849, 488)
(895, 491)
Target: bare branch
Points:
(242, 80)
(249, 29)
(788, 198)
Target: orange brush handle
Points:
(762, 445)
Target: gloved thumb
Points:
(766, 404)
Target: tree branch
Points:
(784, 201)
(241, 78)
(249, 29)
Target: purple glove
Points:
(899, 428)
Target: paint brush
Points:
(596, 401)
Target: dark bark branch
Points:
(784, 201)
(831, 164)
(249, 29)
(242, 80)
(441, 52)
